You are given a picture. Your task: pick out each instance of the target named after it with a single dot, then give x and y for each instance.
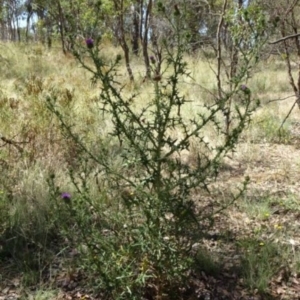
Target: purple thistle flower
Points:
(245, 89)
(66, 197)
(152, 59)
(89, 43)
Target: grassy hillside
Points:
(252, 247)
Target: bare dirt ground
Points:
(272, 212)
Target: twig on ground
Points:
(287, 116)
(285, 38)
(280, 99)
(13, 143)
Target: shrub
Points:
(138, 211)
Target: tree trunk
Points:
(141, 13)
(61, 26)
(145, 39)
(29, 14)
(119, 6)
(135, 29)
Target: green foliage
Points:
(290, 203)
(137, 207)
(206, 263)
(260, 262)
(246, 25)
(260, 210)
(43, 295)
(268, 128)
(27, 223)
(136, 233)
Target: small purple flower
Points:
(152, 59)
(244, 87)
(66, 197)
(89, 43)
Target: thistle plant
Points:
(139, 228)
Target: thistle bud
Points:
(177, 11)
(245, 89)
(89, 43)
(157, 77)
(66, 197)
(152, 59)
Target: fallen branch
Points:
(280, 99)
(285, 38)
(11, 142)
(287, 116)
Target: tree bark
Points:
(29, 15)
(135, 29)
(119, 6)
(61, 26)
(145, 39)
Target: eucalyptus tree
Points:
(11, 12)
(284, 16)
